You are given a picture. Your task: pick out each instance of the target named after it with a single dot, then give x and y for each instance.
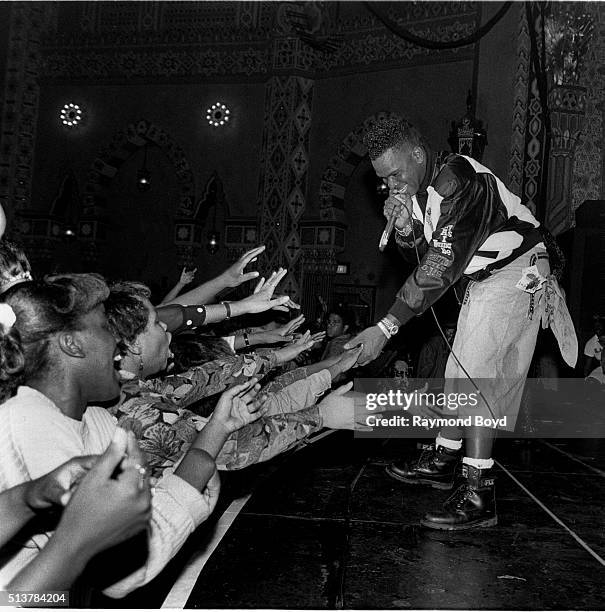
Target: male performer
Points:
(461, 220)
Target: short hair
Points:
(127, 315)
(391, 133)
(194, 350)
(347, 316)
(43, 308)
(14, 265)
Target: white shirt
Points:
(36, 437)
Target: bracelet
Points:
(406, 230)
(381, 326)
(228, 309)
(246, 340)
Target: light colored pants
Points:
(495, 341)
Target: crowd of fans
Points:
(117, 414)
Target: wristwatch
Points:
(387, 327)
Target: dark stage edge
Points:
(328, 529)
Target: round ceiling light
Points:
(71, 115)
(217, 114)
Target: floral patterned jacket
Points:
(165, 430)
(190, 386)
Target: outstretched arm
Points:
(186, 278)
(231, 277)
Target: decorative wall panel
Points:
(589, 160)
(517, 148)
(283, 182)
(120, 40)
(20, 108)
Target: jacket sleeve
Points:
(407, 245)
(267, 437)
(468, 210)
(213, 377)
(284, 379)
(299, 395)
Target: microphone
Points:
(388, 230)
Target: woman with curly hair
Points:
(155, 408)
(57, 357)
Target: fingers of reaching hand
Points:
(251, 255)
(248, 395)
(238, 390)
(275, 279)
(304, 339)
(249, 276)
(259, 285)
(277, 302)
(293, 325)
(318, 337)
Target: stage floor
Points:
(327, 528)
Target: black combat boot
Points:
(435, 467)
(473, 503)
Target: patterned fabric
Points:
(165, 430)
(285, 379)
(213, 377)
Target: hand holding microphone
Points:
(397, 210)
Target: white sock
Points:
(446, 443)
(480, 464)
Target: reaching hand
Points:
(343, 409)
(104, 511)
(187, 276)
(261, 300)
(348, 359)
(285, 333)
(300, 345)
(373, 341)
(239, 406)
(289, 305)
(234, 276)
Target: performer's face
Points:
(401, 168)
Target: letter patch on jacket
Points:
(435, 265)
(445, 236)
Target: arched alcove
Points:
(121, 148)
(131, 232)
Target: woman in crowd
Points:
(154, 409)
(57, 356)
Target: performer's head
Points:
(398, 153)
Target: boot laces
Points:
(426, 457)
(460, 496)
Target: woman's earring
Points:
(140, 363)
